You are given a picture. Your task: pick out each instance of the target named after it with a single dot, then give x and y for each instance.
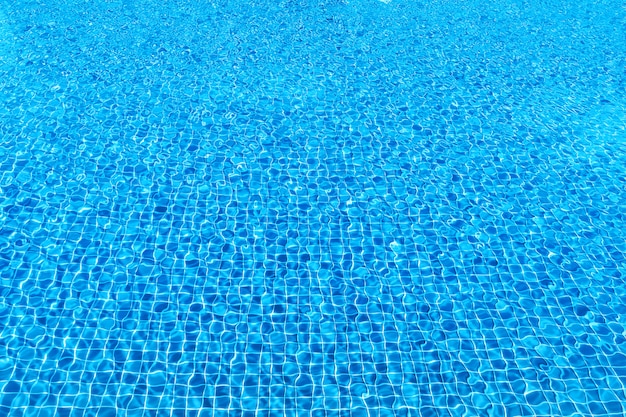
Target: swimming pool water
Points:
(312, 207)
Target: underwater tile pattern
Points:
(312, 207)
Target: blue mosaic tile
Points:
(312, 207)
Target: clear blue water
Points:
(312, 208)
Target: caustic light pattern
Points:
(312, 208)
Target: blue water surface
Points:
(312, 208)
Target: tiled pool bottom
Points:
(312, 208)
